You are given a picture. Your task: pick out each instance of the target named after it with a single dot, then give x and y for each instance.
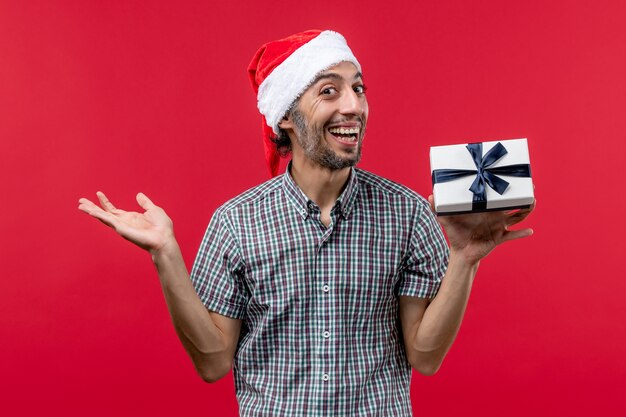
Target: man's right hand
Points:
(209, 338)
(150, 230)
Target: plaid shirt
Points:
(320, 333)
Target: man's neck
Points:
(322, 185)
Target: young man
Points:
(322, 286)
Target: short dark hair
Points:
(282, 140)
(283, 143)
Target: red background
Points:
(153, 96)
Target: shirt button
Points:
(325, 377)
(326, 334)
(326, 288)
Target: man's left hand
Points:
(474, 235)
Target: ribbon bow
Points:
(484, 173)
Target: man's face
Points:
(329, 118)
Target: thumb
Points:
(431, 200)
(144, 201)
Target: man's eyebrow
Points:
(333, 76)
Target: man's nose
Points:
(352, 103)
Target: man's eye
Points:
(360, 89)
(329, 90)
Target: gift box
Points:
(482, 176)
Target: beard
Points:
(311, 140)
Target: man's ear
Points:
(286, 122)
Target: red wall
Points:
(153, 97)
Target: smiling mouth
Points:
(345, 134)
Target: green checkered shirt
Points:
(319, 305)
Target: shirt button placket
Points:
(325, 333)
(324, 315)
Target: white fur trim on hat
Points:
(289, 79)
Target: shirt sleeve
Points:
(216, 273)
(427, 258)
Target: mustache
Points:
(344, 119)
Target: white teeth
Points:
(344, 131)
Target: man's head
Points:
(328, 121)
(288, 76)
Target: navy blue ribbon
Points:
(485, 174)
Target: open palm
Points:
(149, 230)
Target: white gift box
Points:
(457, 168)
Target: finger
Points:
(104, 201)
(431, 200)
(144, 201)
(86, 205)
(518, 216)
(84, 200)
(93, 210)
(517, 234)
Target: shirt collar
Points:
(301, 202)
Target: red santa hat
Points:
(282, 70)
